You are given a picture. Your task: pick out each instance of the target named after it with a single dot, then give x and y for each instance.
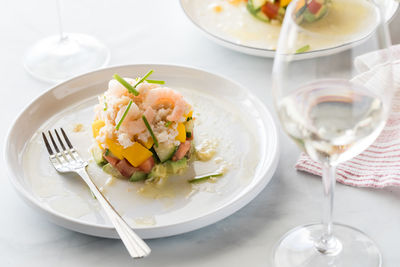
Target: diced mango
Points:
(284, 3)
(190, 114)
(136, 154)
(115, 148)
(300, 5)
(148, 144)
(181, 137)
(96, 126)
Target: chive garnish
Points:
(188, 135)
(124, 115)
(150, 130)
(188, 118)
(204, 178)
(105, 103)
(143, 78)
(155, 81)
(303, 49)
(168, 123)
(131, 89)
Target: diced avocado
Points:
(176, 167)
(138, 176)
(159, 171)
(308, 16)
(165, 151)
(261, 16)
(258, 3)
(108, 168)
(97, 154)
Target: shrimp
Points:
(165, 97)
(145, 87)
(133, 113)
(134, 127)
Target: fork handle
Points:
(136, 247)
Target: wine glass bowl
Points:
(333, 107)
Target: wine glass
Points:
(59, 57)
(333, 101)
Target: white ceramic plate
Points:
(236, 29)
(226, 113)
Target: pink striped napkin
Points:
(379, 165)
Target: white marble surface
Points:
(156, 31)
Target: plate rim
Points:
(263, 52)
(197, 222)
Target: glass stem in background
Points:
(327, 243)
(60, 25)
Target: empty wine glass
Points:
(59, 57)
(333, 101)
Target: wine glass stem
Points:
(60, 25)
(327, 243)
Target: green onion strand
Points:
(105, 103)
(150, 130)
(168, 123)
(155, 81)
(303, 49)
(143, 78)
(124, 115)
(129, 87)
(204, 178)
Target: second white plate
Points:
(233, 27)
(225, 112)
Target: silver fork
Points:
(68, 160)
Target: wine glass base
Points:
(297, 248)
(55, 59)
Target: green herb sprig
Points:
(155, 81)
(124, 115)
(150, 130)
(303, 49)
(131, 89)
(204, 178)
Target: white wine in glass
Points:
(59, 57)
(333, 110)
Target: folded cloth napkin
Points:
(379, 165)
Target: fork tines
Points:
(67, 150)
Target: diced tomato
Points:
(270, 9)
(182, 150)
(125, 168)
(147, 165)
(113, 161)
(314, 7)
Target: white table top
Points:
(157, 31)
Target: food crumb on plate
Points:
(78, 127)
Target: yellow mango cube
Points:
(136, 154)
(115, 148)
(96, 126)
(148, 144)
(190, 114)
(181, 137)
(284, 3)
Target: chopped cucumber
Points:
(159, 171)
(189, 126)
(176, 167)
(97, 154)
(108, 168)
(165, 151)
(138, 176)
